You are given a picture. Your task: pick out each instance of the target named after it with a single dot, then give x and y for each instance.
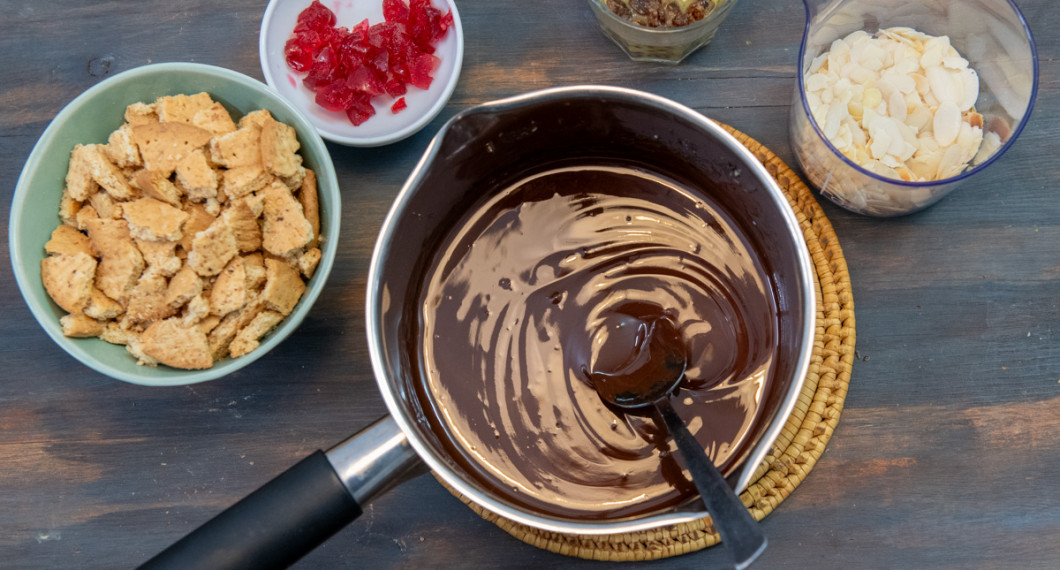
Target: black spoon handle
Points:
(739, 531)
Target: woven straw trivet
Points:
(807, 430)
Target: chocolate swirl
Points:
(513, 310)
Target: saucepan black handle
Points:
(272, 527)
(298, 510)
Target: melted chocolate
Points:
(529, 294)
(637, 362)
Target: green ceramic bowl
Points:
(90, 118)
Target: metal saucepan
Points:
(292, 514)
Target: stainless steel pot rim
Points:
(377, 298)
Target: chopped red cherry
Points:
(347, 68)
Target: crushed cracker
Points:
(186, 236)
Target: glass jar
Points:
(662, 45)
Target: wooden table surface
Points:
(947, 454)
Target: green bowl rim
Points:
(332, 217)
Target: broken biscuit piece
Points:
(66, 240)
(170, 342)
(294, 183)
(254, 266)
(140, 114)
(229, 292)
(283, 286)
(121, 149)
(183, 287)
(247, 339)
(308, 262)
(104, 173)
(181, 108)
(238, 148)
(121, 263)
(310, 201)
(196, 177)
(135, 348)
(154, 184)
(68, 209)
(238, 181)
(151, 219)
(256, 118)
(221, 335)
(79, 182)
(107, 235)
(80, 326)
(102, 307)
(147, 301)
(197, 309)
(244, 223)
(105, 206)
(85, 215)
(285, 228)
(163, 145)
(160, 256)
(207, 323)
(279, 149)
(214, 119)
(114, 334)
(198, 220)
(212, 249)
(68, 279)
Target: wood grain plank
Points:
(946, 455)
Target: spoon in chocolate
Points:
(647, 377)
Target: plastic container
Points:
(991, 34)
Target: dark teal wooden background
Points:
(946, 456)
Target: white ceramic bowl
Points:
(90, 118)
(384, 127)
